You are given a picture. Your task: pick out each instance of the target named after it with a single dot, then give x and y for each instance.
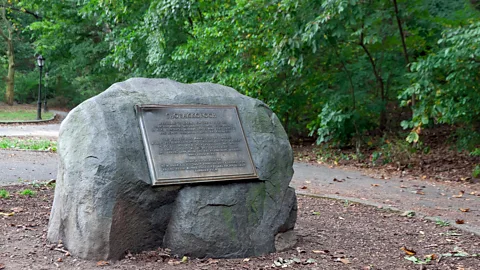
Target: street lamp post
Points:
(40, 63)
(45, 108)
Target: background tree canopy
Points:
(338, 70)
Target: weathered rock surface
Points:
(104, 204)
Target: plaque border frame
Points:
(156, 181)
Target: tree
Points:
(8, 37)
(13, 18)
(75, 46)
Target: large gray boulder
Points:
(104, 204)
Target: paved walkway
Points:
(427, 198)
(49, 130)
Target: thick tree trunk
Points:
(9, 93)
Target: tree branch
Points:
(7, 23)
(404, 45)
(26, 11)
(383, 115)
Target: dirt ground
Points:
(332, 235)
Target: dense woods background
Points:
(341, 71)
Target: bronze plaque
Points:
(190, 144)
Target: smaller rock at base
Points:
(285, 241)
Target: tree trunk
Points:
(9, 93)
(404, 44)
(381, 85)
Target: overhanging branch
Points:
(23, 10)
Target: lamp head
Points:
(40, 61)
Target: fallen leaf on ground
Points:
(375, 185)
(460, 194)
(304, 187)
(102, 263)
(7, 214)
(173, 262)
(431, 256)
(460, 221)
(320, 251)
(408, 213)
(343, 260)
(244, 260)
(465, 209)
(424, 177)
(409, 252)
(59, 260)
(338, 180)
(2, 266)
(419, 192)
(184, 259)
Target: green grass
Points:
(22, 115)
(442, 223)
(28, 144)
(4, 194)
(27, 192)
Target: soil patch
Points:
(332, 235)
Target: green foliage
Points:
(467, 138)
(396, 150)
(4, 194)
(446, 82)
(26, 86)
(335, 68)
(475, 152)
(27, 192)
(73, 46)
(476, 171)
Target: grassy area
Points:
(28, 144)
(22, 115)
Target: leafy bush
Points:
(26, 87)
(445, 83)
(467, 139)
